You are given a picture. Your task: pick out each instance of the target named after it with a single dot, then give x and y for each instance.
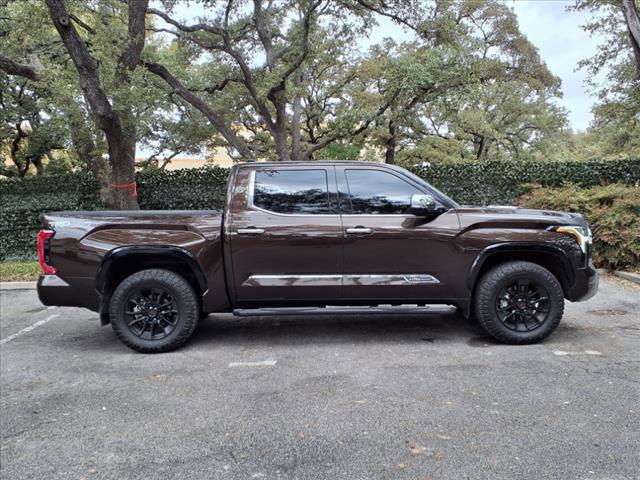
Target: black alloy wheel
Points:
(523, 305)
(152, 313)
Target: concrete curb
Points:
(18, 285)
(631, 277)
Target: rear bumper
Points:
(54, 291)
(585, 285)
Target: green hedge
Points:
(501, 183)
(23, 200)
(480, 183)
(190, 189)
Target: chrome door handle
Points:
(359, 231)
(250, 231)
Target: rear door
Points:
(286, 235)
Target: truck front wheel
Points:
(154, 311)
(519, 302)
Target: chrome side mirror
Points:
(422, 204)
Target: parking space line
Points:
(28, 329)
(264, 363)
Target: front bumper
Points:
(585, 285)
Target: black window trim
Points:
(407, 180)
(330, 191)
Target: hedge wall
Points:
(501, 183)
(22, 200)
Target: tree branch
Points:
(379, 9)
(357, 131)
(228, 49)
(198, 27)
(130, 58)
(89, 29)
(20, 69)
(198, 103)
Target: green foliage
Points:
(474, 89)
(23, 200)
(498, 182)
(197, 188)
(613, 212)
(340, 151)
(614, 79)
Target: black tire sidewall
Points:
(180, 290)
(498, 278)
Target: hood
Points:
(498, 216)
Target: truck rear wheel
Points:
(154, 311)
(519, 302)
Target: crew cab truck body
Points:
(316, 234)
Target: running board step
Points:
(339, 310)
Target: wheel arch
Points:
(549, 256)
(123, 261)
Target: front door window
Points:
(373, 192)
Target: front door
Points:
(391, 255)
(286, 235)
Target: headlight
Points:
(582, 235)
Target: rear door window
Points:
(302, 192)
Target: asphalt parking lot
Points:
(352, 397)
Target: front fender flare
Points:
(557, 253)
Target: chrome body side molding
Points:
(292, 281)
(391, 279)
(338, 280)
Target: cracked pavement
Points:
(352, 397)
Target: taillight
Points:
(43, 252)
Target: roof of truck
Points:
(311, 163)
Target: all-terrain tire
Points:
(492, 283)
(180, 291)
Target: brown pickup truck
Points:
(320, 237)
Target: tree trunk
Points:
(121, 148)
(282, 147)
(482, 147)
(37, 162)
(295, 120)
(87, 150)
(122, 194)
(633, 25)
(392, 143)
(123, 191)
(280, 136)
(15, 146)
